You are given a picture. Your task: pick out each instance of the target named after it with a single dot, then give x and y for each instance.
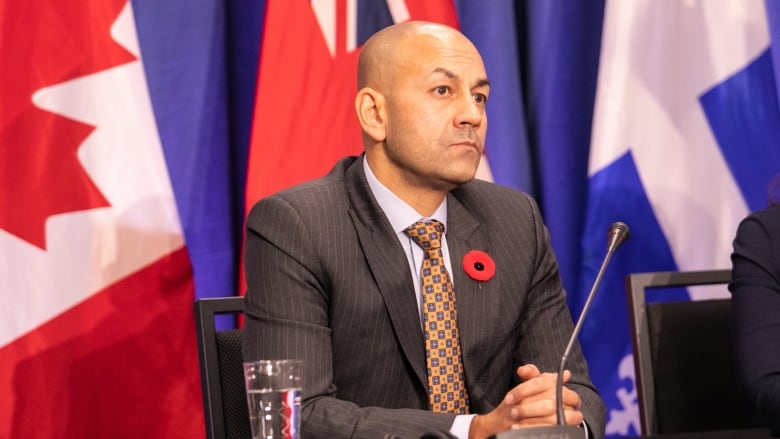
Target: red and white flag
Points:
(97, 336)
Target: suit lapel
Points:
(389, 267)
(477, 302)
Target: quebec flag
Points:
(686, 139)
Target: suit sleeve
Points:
(755, 291)
(547, 326)
(286, 310)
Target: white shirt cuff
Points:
(461, 425)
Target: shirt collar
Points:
(400, 214)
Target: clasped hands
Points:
(530, 403)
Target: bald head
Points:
(395, 46)
(421, 104)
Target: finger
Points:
(571, 417)
(539, 408)
(534, 387)
(540, 384)
(527, 371)
(569, 397)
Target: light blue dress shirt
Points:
(401, 215)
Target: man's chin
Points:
(459, 179)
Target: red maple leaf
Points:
(45, 43)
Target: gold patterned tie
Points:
(446, 383)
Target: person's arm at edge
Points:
(755, 291)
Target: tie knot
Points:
(427, 233)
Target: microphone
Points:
(618, 234)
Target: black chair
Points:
(221, 370)
(683, 356)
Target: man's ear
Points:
(370, 107)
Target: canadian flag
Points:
(96, 336)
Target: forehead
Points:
(425, 54)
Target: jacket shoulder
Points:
(485, 199)
(313, 194)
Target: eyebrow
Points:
(482, 82)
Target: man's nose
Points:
(469, 112)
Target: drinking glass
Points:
(273, 390)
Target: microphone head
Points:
(618, 234)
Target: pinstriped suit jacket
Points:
(328, 282)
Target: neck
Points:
(421, 194)
(425, 201)
(425, 205)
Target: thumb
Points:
(528, 371)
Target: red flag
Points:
(97, 337)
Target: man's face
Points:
(436, 119)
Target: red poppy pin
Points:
(479, 265)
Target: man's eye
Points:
(442, 90)
(480, 98)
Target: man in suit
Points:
(334, 277)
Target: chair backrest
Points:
(683, 356)
(221, 370)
